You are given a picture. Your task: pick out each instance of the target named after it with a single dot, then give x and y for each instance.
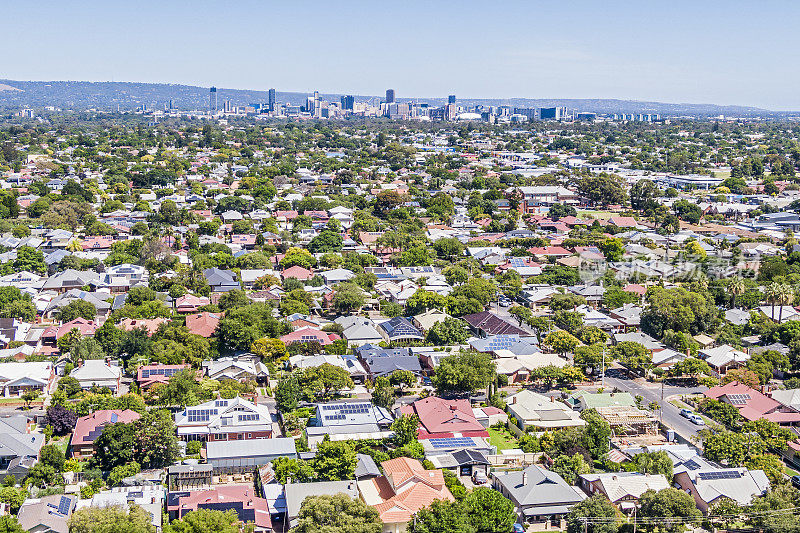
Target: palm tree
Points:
(74, 246)
(785, 296)
(771, 295)
(736, 287)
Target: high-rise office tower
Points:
(348, 102)
(170, 105)
(389, 96)
(212, 100)
(451, 99)
(227, 106)
(271, 100)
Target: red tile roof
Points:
(752, 404)
(203, 324)
(441, 418)
(85, 427)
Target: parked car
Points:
(796, 482)
(518, 528)
(479, 477)
(697, 420)
(686, 413)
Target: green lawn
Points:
(790, 471)
(503, 439)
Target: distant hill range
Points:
(108, 96)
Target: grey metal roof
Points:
(282, 446)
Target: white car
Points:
(697, 420)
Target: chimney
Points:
(524, 477)
(513, 399)
(552, 399)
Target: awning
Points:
(546, 510)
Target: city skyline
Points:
(681, 53)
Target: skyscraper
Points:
(389, 96)
(272, 100)
(212, 100)
(451, 99)
(348, 102)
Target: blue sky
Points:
(678, 51)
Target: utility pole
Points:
(603, 370)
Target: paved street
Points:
(651, 392)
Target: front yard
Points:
(502, 438)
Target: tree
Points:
(592, 335)
(643, 194)
(597, 506)
(596, 434)
(232, 299)
(423, 300)
(612, 249)
(77, 309)
(464, 372)
(269, 349)
(570, 467)
(335, 460)
(348, 298)
(448, 332)
(51, 455)
(558, 211)
(615, 297)
(602, 189)
(653, 463)
(448, 248)
(204, 521)
(402, 378)
(688, 211)
(114, 446)
(455, 275)
(523, 314)
(286, 393)
(441, 516)
(383, 393)
(565, 302)
(111, 519)
(122, 471)
(743, 376)
(632, 355)
(668, 503)
(731, 448)
(338, 513)
(561, 342)
(405, 429)
(9, 524)
(155, 439)
(326, 242)
(182, 389)
(489, 511)
(771, 464)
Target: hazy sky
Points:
(698, 51)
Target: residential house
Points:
(535, 410)
(88, 428)
(241, 499)
(404, 489)
(309, 334)
(486, 323)
(48, 514)
(399, 329)
(19, 448)
(221, 280)
(148, 497)
(724, 358)
(297, 272)
(347, 362)
(97, 373)
(157, 374)
(348, 421)
(358, 330)
(203, 324)
(443, 419)
(223, 420)
(384, 361)
(623, 489)
(709, 486)
(236, 368)
(425, 321)
(16, 378)
(754, 405)
(189, 303)
(295, 493)
(237, 456)
(539, 495)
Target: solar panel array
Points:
(691, 465)
(738, 399)
(63, 505)
(347, 408)
(517, 262)
(201, 415)
(166, 372)
(502, 342)
(335, 417)
(722, 474)
(452, 442)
